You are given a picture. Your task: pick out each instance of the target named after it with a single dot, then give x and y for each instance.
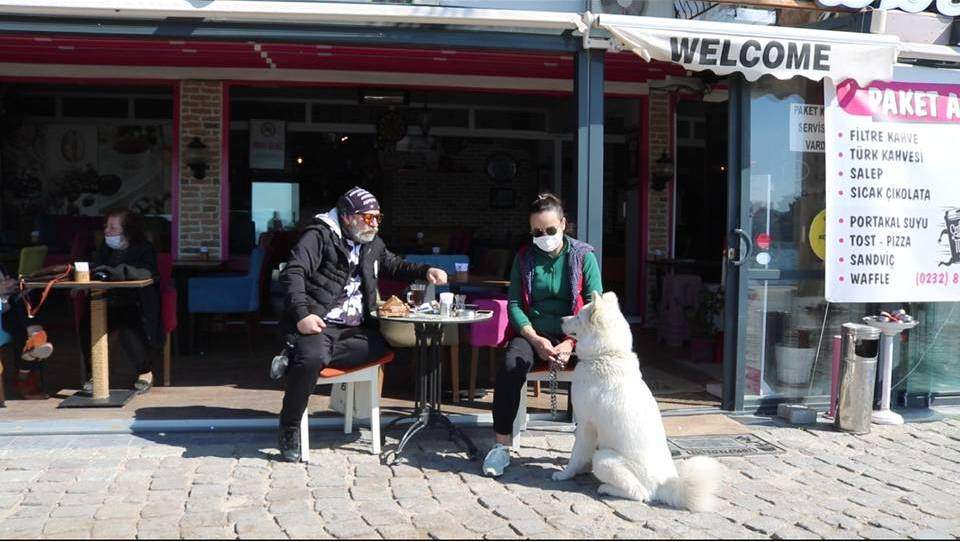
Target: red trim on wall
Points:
(643, 176)
(175, 176)
(225, 171)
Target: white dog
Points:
(619, 429)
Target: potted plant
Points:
(701, 319)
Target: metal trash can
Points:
(860, 346)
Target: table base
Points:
(426, 412)
(116, 399)
(427, 419)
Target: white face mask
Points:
(549, 243)
(114, 241)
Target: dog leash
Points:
(555, 365)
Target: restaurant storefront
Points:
(456, 130)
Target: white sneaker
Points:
(498, 459)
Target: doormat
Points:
(721, 446)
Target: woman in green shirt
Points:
(551, 278)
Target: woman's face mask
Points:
(547, 231)
(114, 241)
(549, 243)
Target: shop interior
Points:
(454, 172)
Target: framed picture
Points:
(502, 198)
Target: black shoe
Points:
(289, 444)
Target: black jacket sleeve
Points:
(304, 258)
(400, 269)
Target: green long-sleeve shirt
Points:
(551, 297)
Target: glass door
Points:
(783, 343)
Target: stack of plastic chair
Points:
(680, 292)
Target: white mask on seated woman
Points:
(549, 243)
(115, 242)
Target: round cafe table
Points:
(429, 337)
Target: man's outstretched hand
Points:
(436, 276)
(311, 325)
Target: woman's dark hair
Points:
(547, 202)
(132, 224)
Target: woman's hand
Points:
(564, 351)
(8, 287)
(543, 347)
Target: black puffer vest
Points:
(321, 258)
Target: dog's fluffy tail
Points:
(696, 486)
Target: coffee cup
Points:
(81, 272)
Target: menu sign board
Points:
(806, 128)
(893, 200)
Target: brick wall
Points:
(659, 206)
(424, 195)
(201, 106)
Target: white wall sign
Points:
(893, 203)
(806, 128)
(267, 144)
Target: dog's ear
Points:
(610, 297)
(597, 310)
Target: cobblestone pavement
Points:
(896, 482)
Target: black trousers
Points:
(518, 360)
(124, 331)
(341, 347)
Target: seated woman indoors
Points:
(133, 315)
(552, 277)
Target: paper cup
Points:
(81, 272)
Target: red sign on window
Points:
(763, 241)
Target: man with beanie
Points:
(331, 289)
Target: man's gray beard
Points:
(363, 237)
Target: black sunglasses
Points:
(552, 230)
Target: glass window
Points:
(275, 206)
(510, 120)
(789, 325)
(288, 111)
(153, 108)
(80, 106)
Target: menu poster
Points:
(893, 197)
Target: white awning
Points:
(753, 50)
(295, 11)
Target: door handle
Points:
(741, 235)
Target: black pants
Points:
(125, 332)
(518, 360)
(341, 347)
